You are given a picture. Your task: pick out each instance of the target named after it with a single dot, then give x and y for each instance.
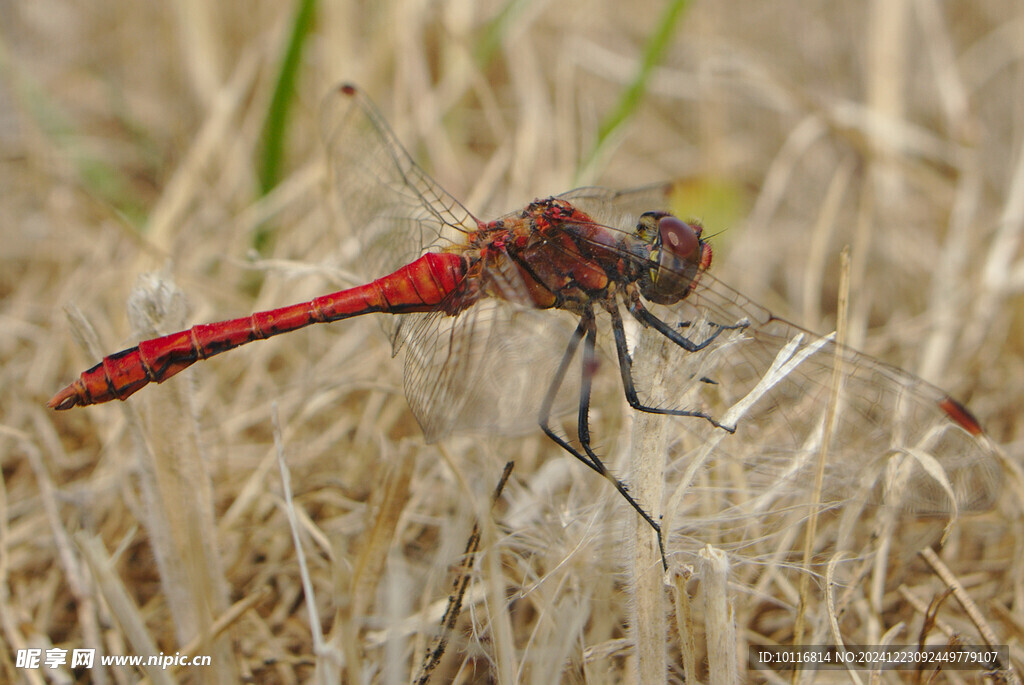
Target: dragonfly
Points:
(484, 311)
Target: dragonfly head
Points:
(676, 259)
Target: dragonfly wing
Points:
(392, 205)
(894, 438)
(620, 208)
(479, 371)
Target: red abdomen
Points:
(418, 286)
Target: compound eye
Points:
(678, 237)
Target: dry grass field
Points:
(163, 164)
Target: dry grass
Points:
(132, 144)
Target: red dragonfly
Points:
(475, 300)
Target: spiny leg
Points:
(556, 384)
(583, 431)
(626, 370)
(687, 324)
(588, 328)
(641, 314)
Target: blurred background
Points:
(163, 165)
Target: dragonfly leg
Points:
(626, 370)
(687, 324)
(587, 330)
(556, 383)
(646, 318)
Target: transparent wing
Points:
(396, 209)
(477, 371)
(484, 371)
(619, 209)
(894, 439)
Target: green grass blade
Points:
(495, 30)
(634, 93)
(274, 131)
